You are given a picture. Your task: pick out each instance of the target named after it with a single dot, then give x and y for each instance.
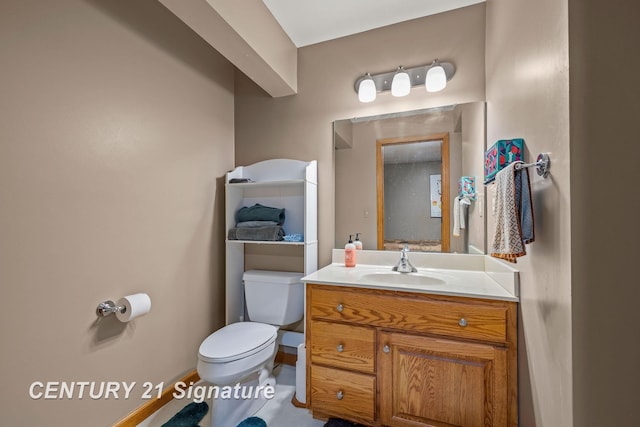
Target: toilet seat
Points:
(237, 341)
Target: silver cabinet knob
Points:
(386, 349)
(462, 322)
(339, 394)
(340, 307)
(340, 348)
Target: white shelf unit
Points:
(281, 183)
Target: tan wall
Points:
(299, 126)
(605, 206)
(116, 124)
(528, 96)
(473, 136)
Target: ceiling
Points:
(308, 22)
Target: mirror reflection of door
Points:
(406, 171)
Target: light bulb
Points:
(367, 89)
(436, 79)
(401, 83)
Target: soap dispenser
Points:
(357, 242)
(350, 254)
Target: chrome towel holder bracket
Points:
(542, 164)
(107, 308)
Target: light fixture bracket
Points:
(417, 76)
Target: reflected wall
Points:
(355, 167)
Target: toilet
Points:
(243, 353)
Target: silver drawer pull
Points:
(386, 349)
(340, 348)
(340, 395)
(340, 307)
(462, 322)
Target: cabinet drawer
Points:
(345, 394)
(416, 313)
(343, 346)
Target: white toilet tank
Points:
(274, 297)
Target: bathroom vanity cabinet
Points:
(396, 358)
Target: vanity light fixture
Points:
(436, 79)
(401, 83)
(366, 89)
(433, 76)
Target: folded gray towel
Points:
(270, 233)
(260, 212)
(250, 224)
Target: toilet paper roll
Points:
(134, 305)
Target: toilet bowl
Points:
(235, 350)
(242, 354)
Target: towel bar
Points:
(542, 164)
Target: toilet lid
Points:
(236, 341)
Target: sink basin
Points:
(403, 278)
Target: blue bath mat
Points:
(253, 422)
(189, 416)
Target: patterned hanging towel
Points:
(514, 214)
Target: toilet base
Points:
(230, 412)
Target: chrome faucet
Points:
(404, 265)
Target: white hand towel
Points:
(459, 223)
(456, 217)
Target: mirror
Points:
(395, 182)
(406, 213)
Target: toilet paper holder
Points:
(127, 308)
(107, 308)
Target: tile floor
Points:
(278, 412)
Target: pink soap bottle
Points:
(350, 254)
(357, 242)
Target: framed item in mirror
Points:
(435, 186)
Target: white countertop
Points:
(468, 277)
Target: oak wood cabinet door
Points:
(427, 381)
